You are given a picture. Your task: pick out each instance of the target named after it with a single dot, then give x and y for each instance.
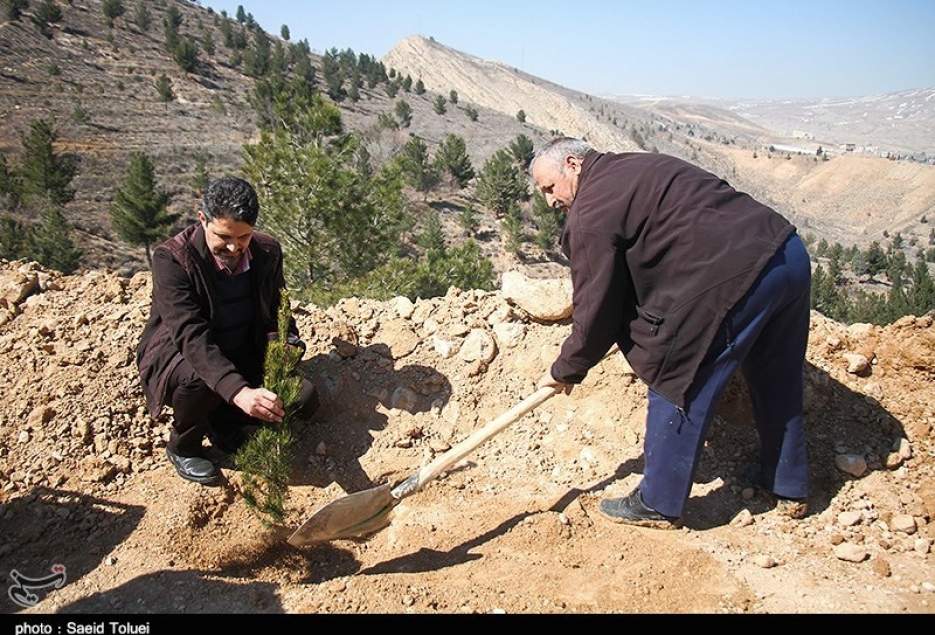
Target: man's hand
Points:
(548, 381)
(260, 403)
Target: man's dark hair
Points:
(233, 198)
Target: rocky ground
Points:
(515, 527)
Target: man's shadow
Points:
(48, 527)
(348, 414)
(732, 444)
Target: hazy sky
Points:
(728, 48)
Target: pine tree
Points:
(501, 184)
(471, 112)
(164, 88)
(513, 227)
(406, 84)
(265, 460)
(14, 9)
(468, 219)
(453, 96)
(897, 302)
(47, 14)
(112, 9)
(876, 259)
(284, 32)
(403, 113)
(548, 222)
(334, 78)
(186, 54)
(142, 17)
(207, 43)
(171, 22)
(414, 161)
(438, 105)
(10, 188)
(392, 89)
(420, 88)
(139, 212)
(521, 116)
(451, 157)
(822, 248)
(201, 177)
(46, 175)
(922, 295)
(363, 162)
(257, 58)
(51, 242)
(15, 239)
(241, 14)
(522, 150)
(432, 238)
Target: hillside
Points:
(515, 528)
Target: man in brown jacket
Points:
(216, 293)
(692, 279)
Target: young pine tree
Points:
(403, 113)
(51, 242)
(500, 184)
(522, 150)
(451, 158)
(139, 212)
(548, 222)
(46, 175)
(142, 17)
(112, 9)
(164, 88)
(438, 105)
(414, 161)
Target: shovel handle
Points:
(425, 474)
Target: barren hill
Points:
(84, 480)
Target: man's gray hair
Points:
(557, 149)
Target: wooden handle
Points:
(458, 452)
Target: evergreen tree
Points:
(822, 249)
(164, 88)
(453, 96)
(432, 238)
(142, 17)
(172, 22)
(451, 157)
(334, 224)
(241, 14)
(15, 239)
(14, 9)
(10, 188)
(363, 162)
(406, 84)
(420, 88)
(835, 268)
(257, 58)
(403, 113)
(471, 112)
(46, 175)
(897, 242)
(392, 88)
(51, 242)
(522, 150)
(186, 54)
(468, 219)
(548, 222)
(201, 177)
(438, 105)
(897, 302)
(896, 266)
(875, 258)
(521, 116)
(207, 43)
(112, 9)
(922, 296)
(513, 228)
(139, 212)
(47, 14)
(334, 78)
(501, 184)
(414, 162)
(284, 32)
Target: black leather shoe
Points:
(631, 510)
(194, 468)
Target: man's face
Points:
(227, 239)
(558, 182)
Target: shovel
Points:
(364, 513)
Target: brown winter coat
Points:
(660, 251)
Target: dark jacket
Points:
(183, 314)
(660, 251)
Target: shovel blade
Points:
(355, 516)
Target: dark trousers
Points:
(765, 334)
(198, 409)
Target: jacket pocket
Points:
(653, 320)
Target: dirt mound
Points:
(514, 527)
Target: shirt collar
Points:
(242, 267)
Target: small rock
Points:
(849, 519)
(408, 601)
(857, 364)
(562, 518)
(24, 436)
(764, 562)
(40, 416)
(121, 463)
(345, 340)
(893, 460)
(743, 519)
(850, 553)
(853, 464)
(404, 307)
(478, 346)
(547, 300)
(110, 561)
(836, 538)
(922, 545)
(903, 448)
(437, 445)
(928, 587)
(444, 347)
(903, 523)
(322, 449)
(404, 443)
(881, 567)
(509, 334)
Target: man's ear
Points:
(573, 164)
(202, 218)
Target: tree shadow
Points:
(181, 591)
(51, 526)
(834, 413)
(350, 395)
